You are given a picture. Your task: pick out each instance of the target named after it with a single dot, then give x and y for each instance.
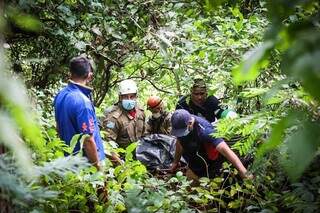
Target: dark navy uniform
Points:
(210, 110)
(199, 149)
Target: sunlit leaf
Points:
(129, 150)
(24, 21)
(302, 147)
(9, 136)
(277, 135)
(253, 92)
(254, 60)
(306, 68)
(212, 4)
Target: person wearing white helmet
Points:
(124, 122)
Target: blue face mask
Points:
(128, 104)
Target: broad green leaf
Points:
(277, 134)
(9, 136)
(78, 138)
(80, 45)
(234, 204)
(213, 4)
(236, 12)
(249, 68)
(302, 147)
(306, 68)
(253, 92)
(166, 41)
(24, 21)
(130, 149)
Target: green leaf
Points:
(24, 21)
(253, 92)
(10, 138)
(236, 12)
(277, 135)
(249, 68)
(306, 68)
(75, 140)
(80, 45)
(129, 150)
(212, 4)
(234, 204)
(233, 191)
(301, 149)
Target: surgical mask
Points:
(156, 115)
(128, 104)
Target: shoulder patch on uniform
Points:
(110, 125)
(113, 111)
(109, 109)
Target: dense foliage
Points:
(260, 58)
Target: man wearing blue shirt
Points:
(203, 153)
(75, 114)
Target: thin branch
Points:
(161, 90)
(141, 78)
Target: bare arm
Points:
(90, 148)
(147, 128)
(225, 150)
(178, 152)
(177, 156)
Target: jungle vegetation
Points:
(261, 58)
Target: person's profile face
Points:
(156, 109)
(198, 95)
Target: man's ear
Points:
(90, 75)
(191, 122)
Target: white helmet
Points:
(127, 87)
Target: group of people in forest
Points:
(125, 122)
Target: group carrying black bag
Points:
(156, 151)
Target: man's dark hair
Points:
(80, 66)
(199, 83)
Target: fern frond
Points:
(62, 166)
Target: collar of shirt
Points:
(84, 89)
(133, 113)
